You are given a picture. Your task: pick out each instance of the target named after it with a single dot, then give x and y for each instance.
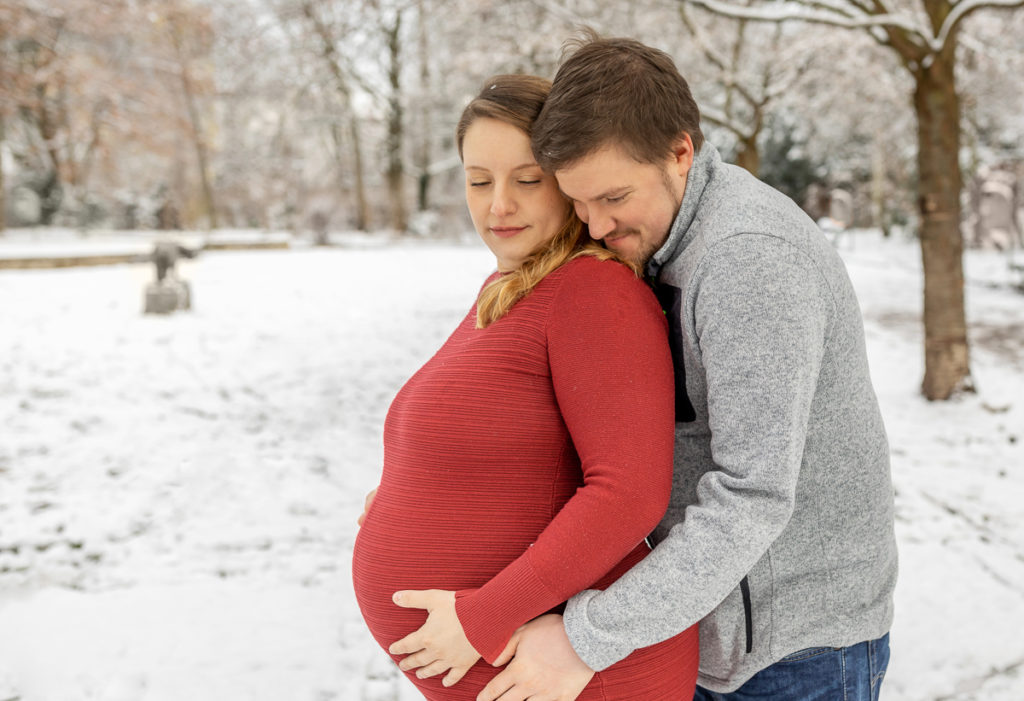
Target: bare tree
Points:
(424, 147)
(341, 75)
(189, 35)
(42, 79)
(49, 56)
(78, 82)
(3, 199)
(262, 111)
(924, 37)
(752, 73)
(391, 27)
(7, 19)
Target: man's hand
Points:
(440, 644)
(545, 667)
(366, 506)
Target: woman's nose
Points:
(503, 203)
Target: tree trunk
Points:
(51, 189)
(396, 168)
(879, 216)
(5, 70)
(200, 146)
(3, 200)
(362, 205)
(423, 153)
(329, 54)
(194, 121)
(938, 112)
(747, 155)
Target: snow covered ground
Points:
(178, 494)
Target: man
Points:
(779, 538)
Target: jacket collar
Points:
(704, 165)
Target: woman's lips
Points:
(506, 232)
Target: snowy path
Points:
(178, 495)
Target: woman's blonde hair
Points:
(517, 100)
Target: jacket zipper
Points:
(745, 590)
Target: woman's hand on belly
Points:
(440, 644)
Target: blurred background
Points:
(179, 491)
(308, 115)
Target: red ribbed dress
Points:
(524, 463)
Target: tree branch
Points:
(570, 18)
(727, 67)
(964, 8)
(723, 120)
(698, 37)
(821, 15)
(841, 9)
(340, 65)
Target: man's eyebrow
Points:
(612, 192)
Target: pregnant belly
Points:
(410, 546)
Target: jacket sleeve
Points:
(612, 375)
(761, 315)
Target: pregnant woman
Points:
(530, 457)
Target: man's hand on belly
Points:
(544, 667)
(440, 644)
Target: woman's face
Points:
(515, 206)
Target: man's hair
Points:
(614, 91)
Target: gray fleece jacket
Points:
(779, 535)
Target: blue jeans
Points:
(816, 674)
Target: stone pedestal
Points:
(168, 295)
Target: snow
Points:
(178, 494)
(67, 243)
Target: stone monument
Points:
(168, 293)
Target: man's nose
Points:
(600, 225)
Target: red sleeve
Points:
(612, 374)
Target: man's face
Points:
(626, 204)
